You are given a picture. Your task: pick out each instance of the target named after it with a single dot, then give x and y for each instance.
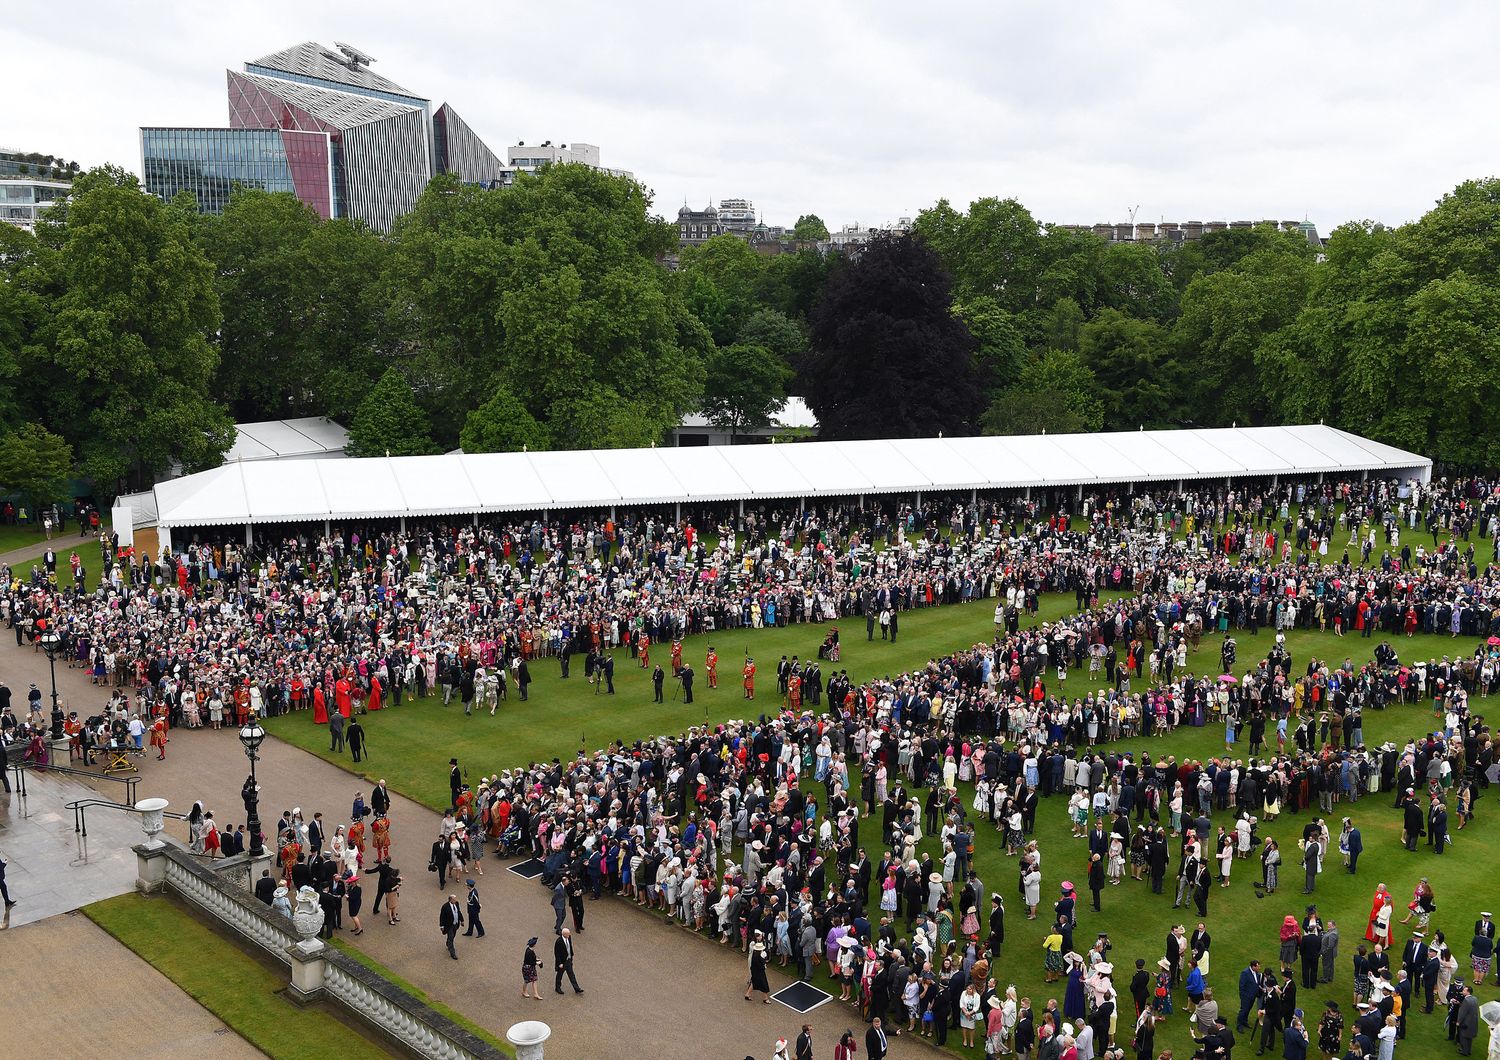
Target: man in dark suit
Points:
(1413, 822)
(1438, 828)
(1249, 995)
(876, 1044)
(439, 860)
(1414, 954)
(1356, 847)
(1140, 987)
(265, 887)
(450, 919)
(804, 1043)
(1294, 1039)
(380, 800)
(562, 961)
(455, 782)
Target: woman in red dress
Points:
(373, 703)
(1381, 894)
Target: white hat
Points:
(848, 942)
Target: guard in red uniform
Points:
(749, 675)
(643, 645)
(711, 664)
(676, 657)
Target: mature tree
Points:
(793, 283)
(295, 291)
(502, 425)
(720, 280)
(1131, 360)
(37, 463)
(1001, 352)
(389, 422)
(122, 366)
(21, 310)
(995, 249)
(889, 358)
(744, 387)
(810, 228)
(1056, 392)
(551, 288)
(1225, 318)
(773, 330)
(266, 366)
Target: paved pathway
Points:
(48, 965)
(640, 975)
(53, 869)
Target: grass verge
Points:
(235, 986)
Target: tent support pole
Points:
(1078, 496)
(476, 521)
(1274, 480)
(1364, 476)
(801, 505)
(1028, 493)
(327, 528)
(611, 513)
(164, 537)
(403, 526)
(678, 517)
(1179, 485)
(973, 498)
(742, 507)
(249, 535)
(919, 500)
(861, 502)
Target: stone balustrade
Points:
(317, 970)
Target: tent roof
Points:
(279, 439)
(267, 491)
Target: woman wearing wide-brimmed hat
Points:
(758, 982)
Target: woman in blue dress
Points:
(1074, 1005)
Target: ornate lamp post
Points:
(251, 737)
(52, 644)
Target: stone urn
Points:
(152, 819)
(528, 1038)
(307, 915)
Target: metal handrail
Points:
(130, 782)
(80, 818)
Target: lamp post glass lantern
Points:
(251, 737)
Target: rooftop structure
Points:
(319, 123)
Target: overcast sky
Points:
(855, 111)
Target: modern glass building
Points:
(211, 163)
(321, 124)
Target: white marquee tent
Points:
(250, 492)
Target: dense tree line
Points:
(133, 332)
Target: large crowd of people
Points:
(763, 833)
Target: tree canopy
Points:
(745, 386)
(889, 357)
(389, 422)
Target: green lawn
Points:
(228, 981)
(412, 745)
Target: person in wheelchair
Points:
(830, 647)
